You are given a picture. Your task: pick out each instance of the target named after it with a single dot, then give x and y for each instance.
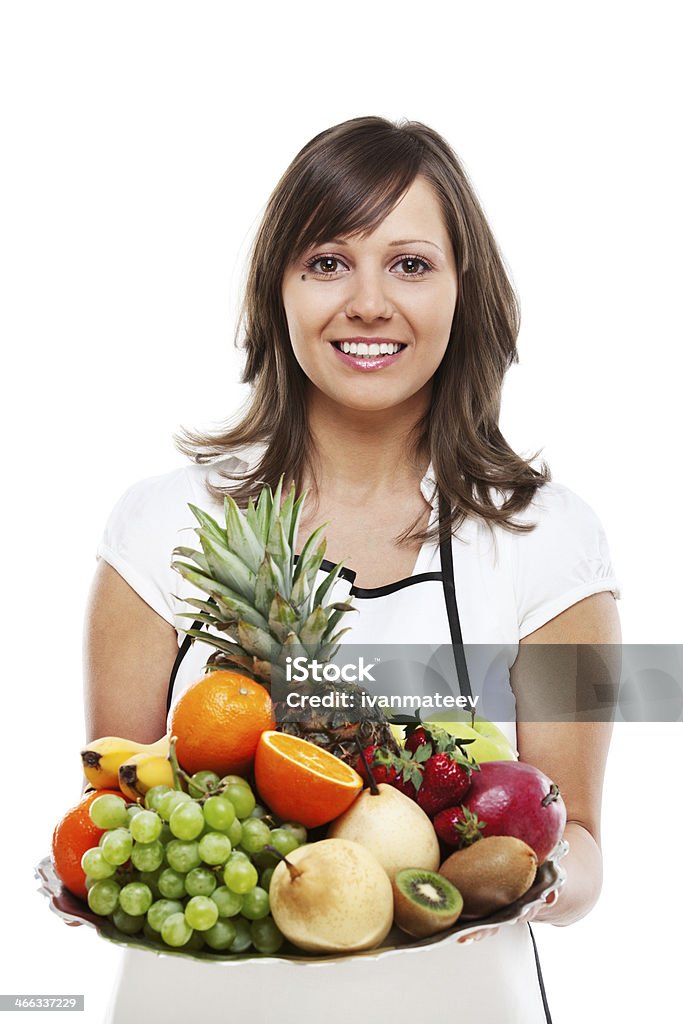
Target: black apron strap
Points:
(544, 998)
(182, 651)
(448, 580)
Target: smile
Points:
(368, 356)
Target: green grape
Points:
(183, 856)
(234, 833)
(298, 830)
(219, 813)
(117, 846)
(135, 898)
(200, 882)
(165, 836)
(240, 875)
(127, 923)
(103, 897)
(255, 835)
(151, 879)
(255, 904)
(109, 811)
(242, 799)
(229, 903)
(153, 795)
(196, 941)
(266, 876)
(265, 859)
(221, 935)
(187, 820)
(175, 931)
(259, 812)
(147, 856)
(214, 848)
(171, 884)
(204, 782)
(201, 913)
(284, 840)
(167, 802)
(132, 810)
(146, 827)
(242, 940)
(160, 910)
(95, 864)
(266, 935)
(89, 882)
(234, 780)
(149, 933)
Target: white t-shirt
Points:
(507, 585)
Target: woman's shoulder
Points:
(563, 559)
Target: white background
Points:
(141, 141)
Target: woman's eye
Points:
(328, 264)
(413, 266)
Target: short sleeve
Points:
(149, 520)
(564, 559)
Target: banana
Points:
(144, 770)
(103, 757)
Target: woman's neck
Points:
(361, 455)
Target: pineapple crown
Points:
(260, 595)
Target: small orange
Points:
(72, 836)
(302, 782)
(218, 721)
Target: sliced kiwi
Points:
(425, 903)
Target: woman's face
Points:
(369, 319)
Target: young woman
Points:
(378, 326)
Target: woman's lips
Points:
(367, 363)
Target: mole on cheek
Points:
(303, 277)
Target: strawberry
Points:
(445, 782)
(381, 765)
(416, 738)
(457, 826)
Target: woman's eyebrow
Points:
(399, 241)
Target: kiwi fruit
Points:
(491, 873)
(424, 902)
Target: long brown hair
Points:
(344, 182)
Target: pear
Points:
(331, 897)
(392, 827)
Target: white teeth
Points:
(361, 348)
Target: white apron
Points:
(493, 981)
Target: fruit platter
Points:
(250, 832)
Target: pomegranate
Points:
(516, 799)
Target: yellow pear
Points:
(392, 827)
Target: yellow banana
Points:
(144, 770)
(103, 757)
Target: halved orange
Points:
(302, 782)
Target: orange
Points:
(73, 835)
(302, 782)
(218, 721)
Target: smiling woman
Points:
(378, 324)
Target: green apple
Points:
(490, 743)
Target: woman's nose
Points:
(368, 298)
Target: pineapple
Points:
(268, 607)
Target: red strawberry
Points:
(417, 738)
(444, 783)
(457, 826)
(405, 786)
(381, 765)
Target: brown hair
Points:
(344, 182)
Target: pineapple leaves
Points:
(307, 553)
(327, 584)
(241, 538)
(258, 641)
(283, 618)
(208, 524)
(225, 597)
(227, 568)
(196, 557)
